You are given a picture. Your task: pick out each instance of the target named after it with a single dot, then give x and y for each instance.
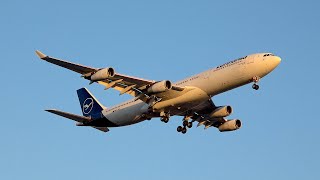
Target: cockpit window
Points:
(268, 55)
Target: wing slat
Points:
(119, 82)
(133, 86)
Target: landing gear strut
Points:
(165, 117)
(183, 129)
(255, 79)
(187, 124)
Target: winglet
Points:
(40, 54)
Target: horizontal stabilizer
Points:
(104, 129)
(74, 117)
(77, 118)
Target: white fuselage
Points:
(204, 85)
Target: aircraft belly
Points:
(127, 115)
(185, 99)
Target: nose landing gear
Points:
(255, 86)
(255, 79)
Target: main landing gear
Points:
(255, 79)
(183, 129)
(164, 117)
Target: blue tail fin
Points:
(90, 106)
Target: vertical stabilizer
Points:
(90, 106)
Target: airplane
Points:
(190, 98)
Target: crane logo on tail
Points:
(87, 106)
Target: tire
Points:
(189, 125)
(184, 130)
(166, 120)
(179, 128)
(255, 86)
(185, 123)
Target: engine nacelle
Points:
(222, 111)
(102, 74)
(230, 125)
(160, 87)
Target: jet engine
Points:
(222, 111)
(160, 87)
(230, 125)
(102, 74)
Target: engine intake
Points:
(102, 74)
(222, 111)
(230, 125)
(160, 87)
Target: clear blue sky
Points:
(158, 40)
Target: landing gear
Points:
(255, 79)
(181, 129)
(189, 125)
(165, 117)
(185, 125)
(184, 130)
(255, 86)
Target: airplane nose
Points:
(277, 60)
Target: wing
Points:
(203, 110)
(126, 84)
(71, 66)
(123, 83)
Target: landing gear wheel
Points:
(165, 119)
(185, 123)
(184, 130)
(189, 125)
(255, 86)
(179, 128)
